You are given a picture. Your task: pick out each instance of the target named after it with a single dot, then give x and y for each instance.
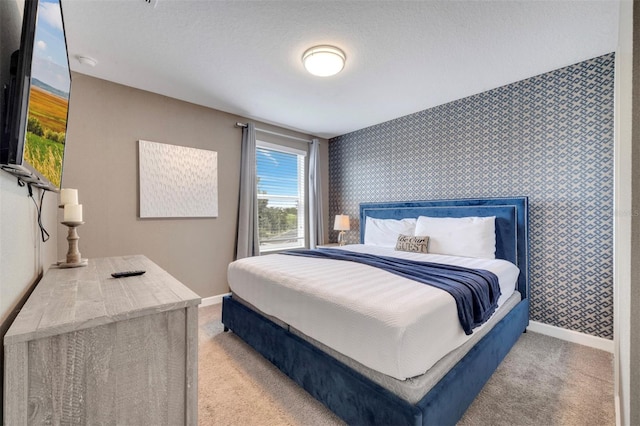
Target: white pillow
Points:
(384, 232)
(460, 236)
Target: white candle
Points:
(68, 196)
(73, 212)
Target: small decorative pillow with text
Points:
(417, 244)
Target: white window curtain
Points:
(248, 244)
(316, 217)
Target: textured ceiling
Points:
(244, 57)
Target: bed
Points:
(360, 390)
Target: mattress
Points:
(390, 324)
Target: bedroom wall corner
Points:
(105, 122)
(626, 238)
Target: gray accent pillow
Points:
(417, 244)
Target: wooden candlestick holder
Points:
(74, 259)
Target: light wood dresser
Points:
(90, 349)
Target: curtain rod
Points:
(275, 133)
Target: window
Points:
(281, 210)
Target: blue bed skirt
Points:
(358, 400)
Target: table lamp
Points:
(341, 224)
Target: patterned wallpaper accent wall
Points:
(549, 137)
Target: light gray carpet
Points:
(543, 381)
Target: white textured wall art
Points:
(177, 181)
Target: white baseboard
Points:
(571, 336)
(213, 300)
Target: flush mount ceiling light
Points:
(324, 61)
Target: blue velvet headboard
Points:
(512, 223)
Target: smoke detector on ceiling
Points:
(86, 60)
(153, 3)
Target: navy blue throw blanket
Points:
(476, 291)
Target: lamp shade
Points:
(341, 223)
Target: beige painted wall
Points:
(23, 256)
(627, 221)
(634, 321)
(106, 120)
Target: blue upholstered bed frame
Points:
(355, 398)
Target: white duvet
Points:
(391, 324)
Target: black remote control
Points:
(127, 274)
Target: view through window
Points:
(280, 180)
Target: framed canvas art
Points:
(177, 181)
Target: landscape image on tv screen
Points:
(49, 94)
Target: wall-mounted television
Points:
(37, 98)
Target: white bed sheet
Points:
(390, 324)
